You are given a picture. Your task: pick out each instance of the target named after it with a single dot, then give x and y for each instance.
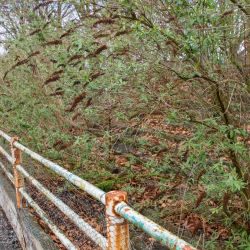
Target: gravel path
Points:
(8, 239)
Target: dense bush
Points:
(164, 83)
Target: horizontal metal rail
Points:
(10, 176)
(157, 232)
(65, 241)
(74, 217)
(154, 230)
(9, 158)
(83, 225)
(77, 181)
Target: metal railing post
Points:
(117, 227)
(19, 181)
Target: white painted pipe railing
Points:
(61, 236)
(77, 181)
(118, 207)
(74, 217)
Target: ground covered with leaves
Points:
(150, 97)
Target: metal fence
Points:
(118, 212)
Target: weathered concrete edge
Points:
(24, 224)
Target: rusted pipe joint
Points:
(12, 140)
(117, 227)
(19, 181)
(16, 153)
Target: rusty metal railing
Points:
(65, 241)
(118, 212)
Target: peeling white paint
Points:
(155, 231)
(65, 241)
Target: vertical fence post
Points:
(19, 181)
(117, 227)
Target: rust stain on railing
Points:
(118, 213)
(117, 228)
(19, 181)
(65, 241)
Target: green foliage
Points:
(179, 62)
(244, 240)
